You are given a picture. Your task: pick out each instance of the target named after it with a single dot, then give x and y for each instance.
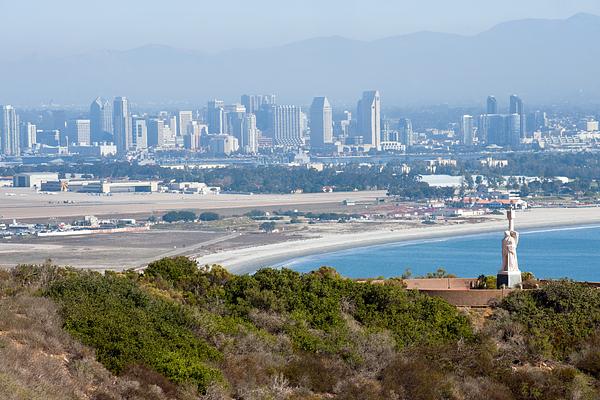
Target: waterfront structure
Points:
(9, 131)
(78, 131)
(368, 121)
(122, 124)
(285, 125)
(517, 107)
(95, 150)
(467, 129)
(492, 105)
(510, 275)
(184, 120)
(321, 123)
(101, 121)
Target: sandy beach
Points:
(246, 260)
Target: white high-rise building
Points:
(122, 125)
(285, 125)
(321, 123)
(249, 142)
(184, 120)
(467, 129)
(368, 118)
(28, 135)
(79, 131)
(140, 133)
(9, 131)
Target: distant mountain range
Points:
(545, 61)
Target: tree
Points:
(176, 216)
(268, 226)
(209, 216)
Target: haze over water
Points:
(550, 253)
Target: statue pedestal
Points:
(510, 279)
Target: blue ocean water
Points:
(550, 253)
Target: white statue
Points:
(510, 275)
(509, 251)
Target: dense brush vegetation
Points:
(180, 332)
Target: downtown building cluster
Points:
(503, 130)
(257, 122)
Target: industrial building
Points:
(33, 179)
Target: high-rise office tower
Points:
(517, 107)
(101, 121)
(9, 131)
(501, 130)
(249, 138)
(235, 121)
(492, 105)
(122, 125)
(368, 118)
(156, 132)
(514, 130)
(140, 133)
(251, 102)
(406, 132)
(79, 131)
(467, 129)
(285, 125)
(321, 123)
(184, 120)
(28, 135)
(215, 117)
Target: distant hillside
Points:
(543, 60)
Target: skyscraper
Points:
(155, 130)
(492, 105)
(235, 121)
(406, 132)
(368, 118)
(215, 117)
(9, 131)
(140, 133)
(28, 135)
(501, 130)
(321, 123)
(184, 120)
(249, 140)
(79, 131)
(517, 107)
(285, 126)
(467, 130)
(122, 125)
(101, 121)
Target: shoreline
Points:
(248, 260)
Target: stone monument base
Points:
(509, 279)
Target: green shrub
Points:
(127, 326)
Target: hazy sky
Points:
(65, 26)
